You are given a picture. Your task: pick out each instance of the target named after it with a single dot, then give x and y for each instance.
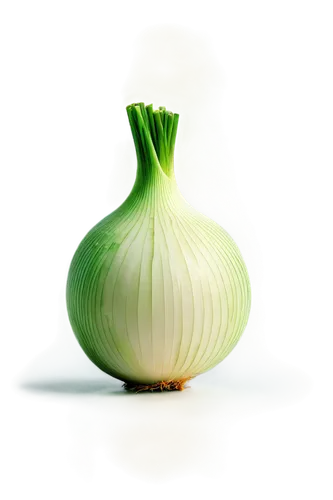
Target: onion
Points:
(157, 293)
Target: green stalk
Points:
(154, 134)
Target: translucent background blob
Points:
(176, 66)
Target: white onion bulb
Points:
(157, 293)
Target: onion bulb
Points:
(157, 293)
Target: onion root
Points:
(168, 385)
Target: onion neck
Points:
(154, 134)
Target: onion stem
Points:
(154, 134)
